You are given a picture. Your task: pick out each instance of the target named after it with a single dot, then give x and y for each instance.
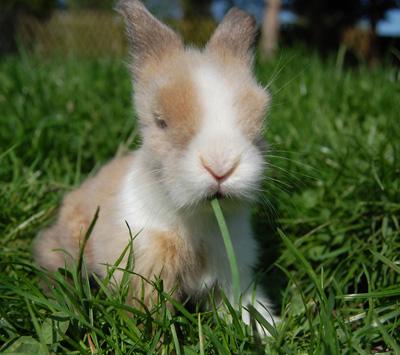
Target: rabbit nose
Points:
(219, 176)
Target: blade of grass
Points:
(292, 248)
(389, 340)
(386, 261)
(174, 335)
(229, 248)
(36, 326)
(85, 240)
(201, 338)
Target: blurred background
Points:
(359, 30)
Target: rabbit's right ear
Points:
(150, 39)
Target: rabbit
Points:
(201, 114)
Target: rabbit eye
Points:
(160, 122)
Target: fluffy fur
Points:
(201, 114)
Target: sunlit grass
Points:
(328, 218)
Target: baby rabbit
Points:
(201, 115)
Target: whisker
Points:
(276, 72)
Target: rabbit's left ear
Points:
(150, 39)
(234, 36)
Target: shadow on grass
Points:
(272, 278)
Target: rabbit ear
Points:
(234, 36)
(150, 39)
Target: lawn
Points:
(328, 221)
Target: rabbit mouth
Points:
(217, 195)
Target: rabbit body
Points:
(201, 115)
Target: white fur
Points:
(146, 207)
(150, 200)
(220, 143)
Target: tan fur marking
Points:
(177, 103)
(76, 213)
(252, 104)
(170, 258)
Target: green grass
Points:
(328, 221)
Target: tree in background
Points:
(324, 21)
(270, 29)
(10, 10)
(375, 10)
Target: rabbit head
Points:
(201, 112)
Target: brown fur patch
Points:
(59, 244)
(44, 249)
(76, 213)
(172, 259)
(178, 105)
(252, 104)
